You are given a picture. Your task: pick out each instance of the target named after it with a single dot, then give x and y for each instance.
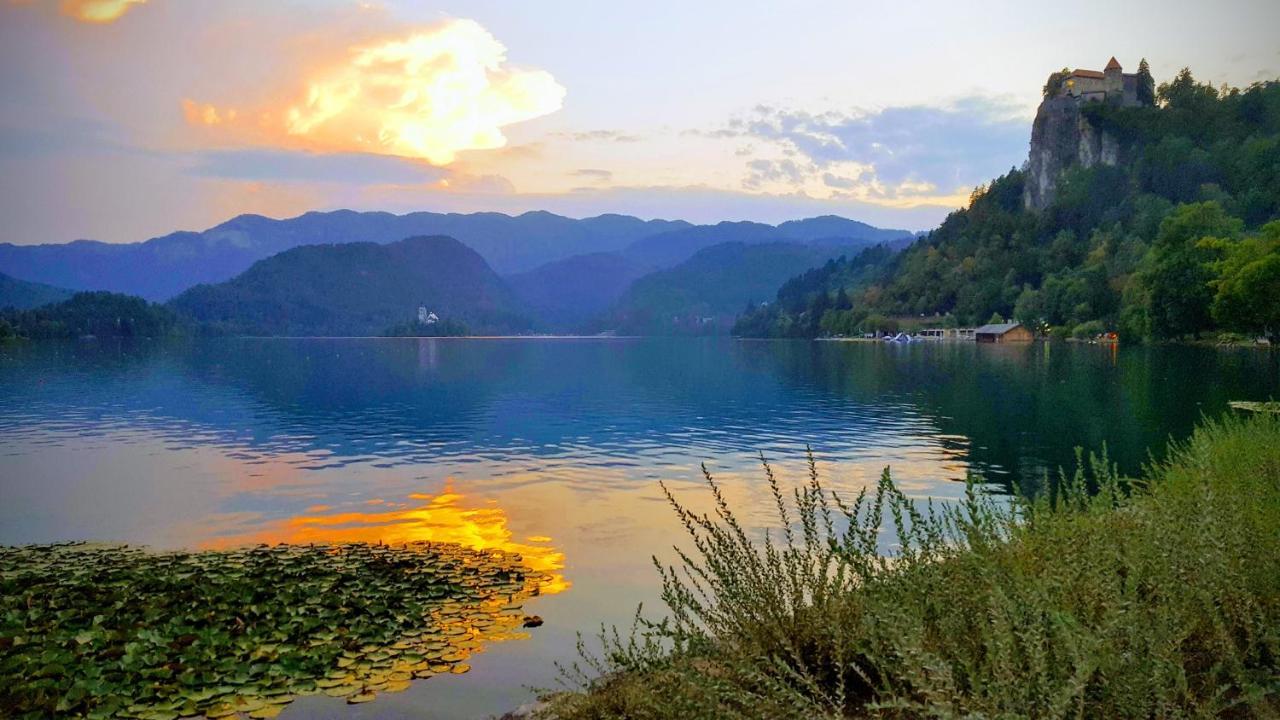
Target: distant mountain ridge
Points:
(163, 267)
(675, 246)
(359, 288)
(567, 293)
(705, 293)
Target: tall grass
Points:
(1157, 597)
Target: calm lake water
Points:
(553, 447)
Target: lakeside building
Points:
(1003, 333)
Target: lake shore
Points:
(1086, 611)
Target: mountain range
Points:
(162, 267)
(568, 293)
(257, 275)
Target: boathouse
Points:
(1003, 333)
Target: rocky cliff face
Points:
(1060, 138)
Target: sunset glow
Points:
(444, 518)
(213, 109)
(426, 95)
(97, 11)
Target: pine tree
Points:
(842, 300)
(1146, 84)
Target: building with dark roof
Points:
(1003, 333)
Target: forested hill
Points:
(702, 295)
(20, 294)
(1172, 240)
(357, 289)
(92, 314)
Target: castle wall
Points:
(1078, 86)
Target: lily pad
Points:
(225, 633)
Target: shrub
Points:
(1086, 330)
(1101, 597)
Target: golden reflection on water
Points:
(443, 518)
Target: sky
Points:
(122, 120)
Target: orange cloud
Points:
(197, 114)
(97, 11)
(429, 95)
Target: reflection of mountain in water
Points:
(1026, 408)
(526, 406)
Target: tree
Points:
(1247, 296)
(1179, 279)
(1146, 84)
(1054, 84)
(842, 300)
(1029, 309)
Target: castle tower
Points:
(1113, 79)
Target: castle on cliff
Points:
(1063, 136)
(1111, 85)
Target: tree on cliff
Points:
(1055, 81)
(1146, 84)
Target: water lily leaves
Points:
(220, 710)
(110, 631)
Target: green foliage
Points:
(1146, 84)
(1101, 597)
(822, 300)
(113, 631)
(1247, 290)
(443, 328)
(1179, 269)
(97, 314)
(1054, 83)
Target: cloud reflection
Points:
(443, 518)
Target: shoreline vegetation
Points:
(113, 631)
(1102, 597)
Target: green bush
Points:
(1086, 330)
(1100, 598)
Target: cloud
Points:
(893, 153)
(594, 174)
(786, 171)
(291, 166)
(840, 183)
(600, 135)
(98, 12)
(428, 95)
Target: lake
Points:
(552, 447)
